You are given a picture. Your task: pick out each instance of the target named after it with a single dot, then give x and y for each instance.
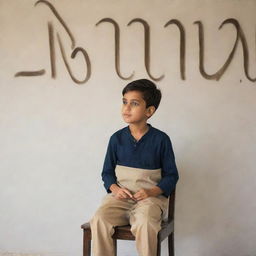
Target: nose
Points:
(127, 107)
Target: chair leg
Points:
(87, 246)
(115, 247)
(158, 253)
(171, 244)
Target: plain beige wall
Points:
(54, 132)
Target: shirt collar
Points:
(142, 138)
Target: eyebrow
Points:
(132, 99)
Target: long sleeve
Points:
(108, 172)
(170, 174)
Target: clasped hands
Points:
(123, 193)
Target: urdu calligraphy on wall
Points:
(55, 38)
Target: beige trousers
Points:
(144, 216)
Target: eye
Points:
(134, 103)
(124, 102)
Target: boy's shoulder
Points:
(161, 136)
(160, 132)
(119, 132)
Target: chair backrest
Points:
(171, 206)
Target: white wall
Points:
(54, 132)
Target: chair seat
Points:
(124, 232)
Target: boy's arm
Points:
(108, 172)
(170, 174)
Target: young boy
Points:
(139, 173)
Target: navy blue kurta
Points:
(152, 151)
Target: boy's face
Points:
(134, 109)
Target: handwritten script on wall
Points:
(53, 36)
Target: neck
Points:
(138, 129)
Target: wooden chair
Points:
(124, 233)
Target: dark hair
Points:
(150, 93)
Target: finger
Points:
(124, 194)
(121, 195)
(128, 193)
(137, 195)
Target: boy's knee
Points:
(151, 213)
(100, 215)
(99, 223)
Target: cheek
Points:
(140, 112)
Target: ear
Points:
(150, 111)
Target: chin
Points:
(126, 119)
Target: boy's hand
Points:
(142, 194)
(145, 193)
(120, 193)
